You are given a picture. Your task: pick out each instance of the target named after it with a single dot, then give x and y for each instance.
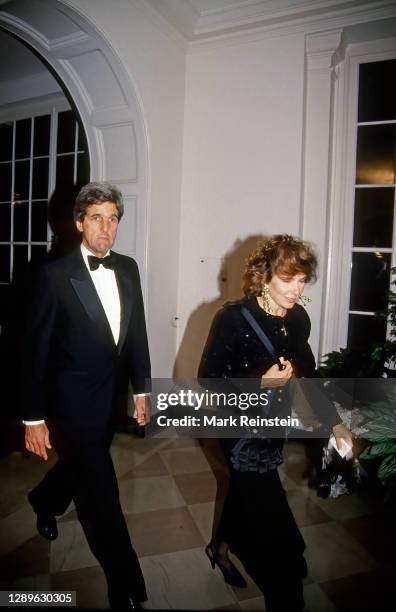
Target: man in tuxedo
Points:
(86, 335)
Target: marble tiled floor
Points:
(168, 489)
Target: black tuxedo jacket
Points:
(73, 365)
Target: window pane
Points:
(38, 255)
(377, 93)
(364, 330)
(20, 264)
(22, 138)
(370, 281)
(5, 182)
(22, 170)
(83, 169)
(66, 132)
(376, 150)
(65, 171)
(6, 141)
(21, 221)
(39, 221)
(40, 179)
(4, 263)
(42, 127)
(5, 222)
(373, 221)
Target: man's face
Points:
(99, 227)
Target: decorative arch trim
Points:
(106, 99)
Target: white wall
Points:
(156, 64)
(242, 164)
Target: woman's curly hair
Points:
(280, 254)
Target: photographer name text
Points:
(230, 421)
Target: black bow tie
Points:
(94, 262)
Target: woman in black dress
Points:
(257, 524)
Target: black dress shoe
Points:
(125, 601)
(46, 523)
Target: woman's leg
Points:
(217, 549)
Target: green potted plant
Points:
(380, 432)
(378, 413)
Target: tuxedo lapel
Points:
(125, 290)
(84, 288)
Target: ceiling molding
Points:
(269, 12)
(304, 26)
(182, 15)
(165, 25)
(228, 18)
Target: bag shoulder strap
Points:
(260, 333)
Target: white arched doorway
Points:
(104, 96)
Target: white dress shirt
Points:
(105, 283)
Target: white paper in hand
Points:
(345, 447)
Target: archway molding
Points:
(105, 97)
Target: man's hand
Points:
(37, 439)
(142, 410)
(342, 433)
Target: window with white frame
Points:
(374, 202)
(39, 152)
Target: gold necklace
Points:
(269, 312)
(267, 309)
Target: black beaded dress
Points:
(256, 520)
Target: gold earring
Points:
(265, 295)
(304, 299)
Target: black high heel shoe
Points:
(231, 575)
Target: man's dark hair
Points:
(97, 193)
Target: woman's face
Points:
(284, 291)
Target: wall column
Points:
(322, 52)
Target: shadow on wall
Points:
(60, 217)
(229, 281)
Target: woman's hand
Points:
(274, 377)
